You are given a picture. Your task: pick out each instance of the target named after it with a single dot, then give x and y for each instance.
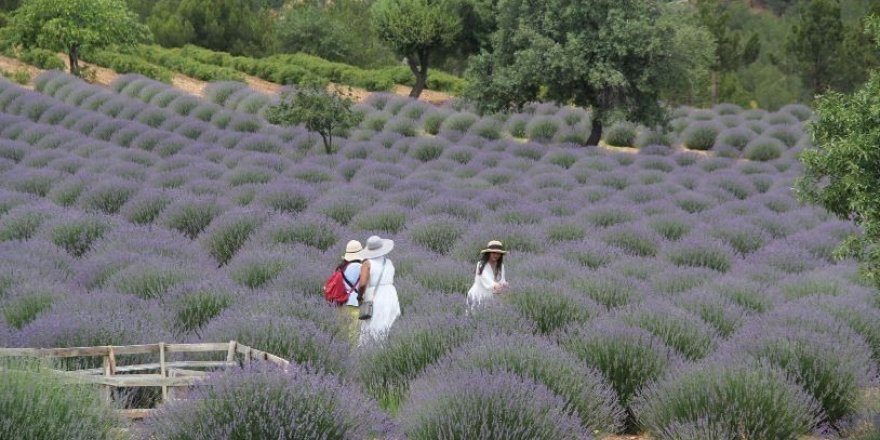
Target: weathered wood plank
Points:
(196, 348)
(230, 353)
(155, 366)
(144, 380)
(162, 371)
(118, 350)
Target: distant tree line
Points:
(625, 59)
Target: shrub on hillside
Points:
(621, 134)
(701, 135)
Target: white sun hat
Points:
(494, 247)
(353, 251)
(376, 247)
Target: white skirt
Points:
(386, 309)
(478, 294)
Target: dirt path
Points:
(105, 77)
(12, 65)
(261, 85)
(431, 96)
(189, 85)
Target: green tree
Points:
(814, 42)
(318, 109)
(615, 56)
(477, 25)
(75, 25)
(334, 30)
(236, 26)
(415, 29)
(841, 171)
(856, 56)
(731, 52)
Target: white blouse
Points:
(484, 284)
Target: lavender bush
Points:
(264, 402)
(751, 401)
(485, 406)
(139, 213)
(36, 403)
(539, 359)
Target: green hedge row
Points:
(270, 71)
(337, 72)
(301, 68)
(124, 63)
(42, 58)
(173, 59)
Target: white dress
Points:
(484, 284)
(386, 307)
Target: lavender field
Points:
(677, 288)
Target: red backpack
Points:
(334, 289)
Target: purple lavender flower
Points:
(478, 405)
(265, 402)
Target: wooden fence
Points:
(166, 374)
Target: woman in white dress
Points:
(377, 285)
(490, 278)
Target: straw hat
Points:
(494, 247)
(353, 251)
(376, 247)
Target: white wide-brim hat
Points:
(376, 247)
(353, 251)
(494, 247)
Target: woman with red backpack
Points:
(341, 288)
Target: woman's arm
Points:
(364, 280)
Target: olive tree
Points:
(319, 110)
(614, 56)
(415, 29)
(841, 172)
(73, 26)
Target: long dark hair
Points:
(484, 259)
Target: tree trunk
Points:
(328, 142)
(714, 87)
(73, 57)
(420, 70)
(595, 133)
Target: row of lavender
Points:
(640, 280)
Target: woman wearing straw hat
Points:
(489, 278)
(377, 287)
(351, 271)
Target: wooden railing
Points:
(165, 374)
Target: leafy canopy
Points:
(236, 26)
(89, 24)
(416, 28)
(841, 172)
(615, 56)
(814, 42)
(318, 109)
